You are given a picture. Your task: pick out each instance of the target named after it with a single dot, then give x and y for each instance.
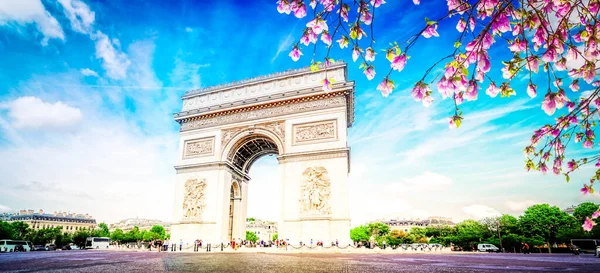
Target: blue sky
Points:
(87, 89)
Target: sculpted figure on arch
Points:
(557, 39)
(193, 202)
(315, 191)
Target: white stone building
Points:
(264, 230)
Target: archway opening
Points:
(255, 157)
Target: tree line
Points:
(539, 225)
(21, 231)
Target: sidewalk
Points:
(304, 249)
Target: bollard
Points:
(221, 246)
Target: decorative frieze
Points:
(315, 132)
(315, 191)
(198, 147)
(277, 128)
(265, 111)
(326, 154)
(193, 199)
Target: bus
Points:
(586, 245)
(97, 243)
(15, 245)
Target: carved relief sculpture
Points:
(198, 147)
(315, 131)
(315, 192)
(193, 199)
(277, 128)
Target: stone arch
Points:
(249, 145)
(236, 191)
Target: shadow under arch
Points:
(249, 145)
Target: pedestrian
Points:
(208, 247)
(311, 242)
(166, 245)
(336, 242)
(196, 245)
(180, 244)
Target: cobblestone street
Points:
(113, 261)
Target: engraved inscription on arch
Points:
(315, 131)
(198, 147)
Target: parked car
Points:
(50, 247)
(15, 245)
(66, 247)
(598, 251)
(74, 247)
(487, 248)
(39, 248)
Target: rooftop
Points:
(259, 79)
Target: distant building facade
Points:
(70, 222)
(264, 230)
(407, 225)
(142, 224)
(570, 210)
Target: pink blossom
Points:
(377, 3)
(550, 55)
(570, 106)
(326, 38)
(453, 4)
(472, 24)
(543, 168)
(539, 37)
(585, 190)
(531, 90)
(343, 11)
(427, 100)
(588, 144)
(461, 25)
(574, 86)
(326, 85)
(571, 165)
(501, 24)
(596, 214)
(561, 65)
(366, 17)
(471, 92)
(370, 72)
(430, 31)
(300, 11)
(313, 4)
(578, 138)
(516, 30)
(588, 73)
(386, 87)
(492, 90)
(549, 105)
(399, 62)
(370, 54)
(416, 2)
(560, 99)
(317, 25)
(355, 53)
(343, 42)
(419, 91)
(571, 53)
(283, 6)
(563, 9)
(518, 46)
(588, 224)
(295, 53)
(532, 64)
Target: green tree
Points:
(396, 237)
(378, 229)
(6, 230)
(102, 231)
(250, 236)
(80, 237)
(469, 233)
(160, 230)
(584, 210)
(275, 236)
(544, 221)
(20, 229)
(250, 220)
(359, 234)
(117, 235)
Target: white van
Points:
(10, 245)
(487, 248)
(97, 243)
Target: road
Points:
(113, 261)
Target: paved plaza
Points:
(114, 261)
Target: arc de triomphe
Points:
(224, 129)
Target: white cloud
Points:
(79, 14)
(189, 29)
(114, 61)
(480, 211)
(284, 44)
(186, 74)
(520, 206)
(4, 209)
(31, 12)
(428, 181)
(32, 112)
(88, 72)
